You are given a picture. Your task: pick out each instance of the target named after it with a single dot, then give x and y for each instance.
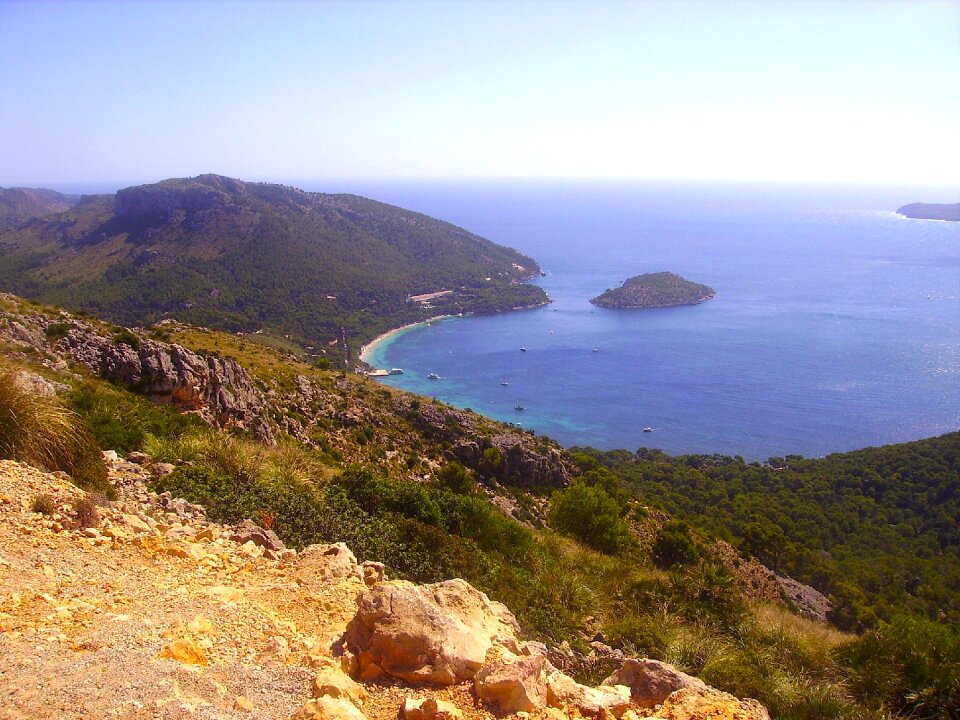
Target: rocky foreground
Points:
(143, 608)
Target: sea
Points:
(835, 325)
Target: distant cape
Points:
(931, 211)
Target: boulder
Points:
(563, 691)
(323, 563)
(514, 684)
(373, 572)
(249, 531)
(438, 633)
(328, 708)
(331, 681)
(651, 681)
(695, 703)
(430, 709)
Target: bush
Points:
(674, 546)
(591, 515)
(85, 512)
(123, 336)
(455, 477)
(39, 430)
(57, 330)
(43, 504)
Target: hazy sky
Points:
(762, 90)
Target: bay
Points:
(836, 323)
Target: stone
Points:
(373, 572)
(651, 681)
(138, 458)
(162, 469)
(430, 709)
(323, 563)
(242, 704)
(438, 633)
(692, 703)
(328, 708)
(184, 650)
(563, 691)
(249, 531)
(332, 681)
(110, 456)
(514, 684)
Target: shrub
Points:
(39, 430)
(43, 504)
(591, 515)
(455, 477)
(57, 330)
(123, 336)
(85, 512)
(674, 546)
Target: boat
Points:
(433, 376)
(523, 349)
(395, 371)
(648, 429)
(518, 406)
(596, 349)
(504, 383)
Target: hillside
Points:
(213, 251)
(931, 211)
(18, 205)
(591, 561)
(654, 290)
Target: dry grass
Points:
(41, 431)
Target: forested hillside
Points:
(252, 256)
(876, 529)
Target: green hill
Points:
(18, 205)
(240, 256)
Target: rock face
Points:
(514, 685)
(651, 681)
(217, 388)
(696, 704)
(438, 633)
(318, 564)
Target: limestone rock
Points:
(563, 691)
(331, 681)
(651, 681)
(249, 531)
(328, 708)
(430, 709)
(691, 703)
(323, 563)
(184, 650)
(373, 572)
(438, 633)
(514, 684)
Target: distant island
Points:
(654, 290)
(931, 211)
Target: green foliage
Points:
(41, 431)
(123, 336)
(674, 546)
(56, 331)
(589, 514)
(456, 477)
(875, 529)
(122, 421)
(323, 363)
(910, 666)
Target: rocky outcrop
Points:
(430, 709)
(696, 704)
(215, 387)
(651, 681)
(438, 633)
(320, 564)
(514, 684)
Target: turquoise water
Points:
(836, 323)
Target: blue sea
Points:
(836, 323)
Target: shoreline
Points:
(383, 337)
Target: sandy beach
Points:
(369, 347)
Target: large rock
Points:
(249, 531)
(698, 703)
(514, 684)
(563, 692)
(430, 709)
(438, 633)
(328, 708)
(651, 681)
(333, 682)
(321, 564)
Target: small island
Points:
(654, 290)
(931, 211)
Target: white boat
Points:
(523, 349)
(504, 383)
(395, 371)
(648, 429)
(433, 376)
(596, 349)
(518, 406)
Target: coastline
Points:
(383, 337)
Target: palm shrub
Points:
(41, 431)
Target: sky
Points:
(821, 91)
